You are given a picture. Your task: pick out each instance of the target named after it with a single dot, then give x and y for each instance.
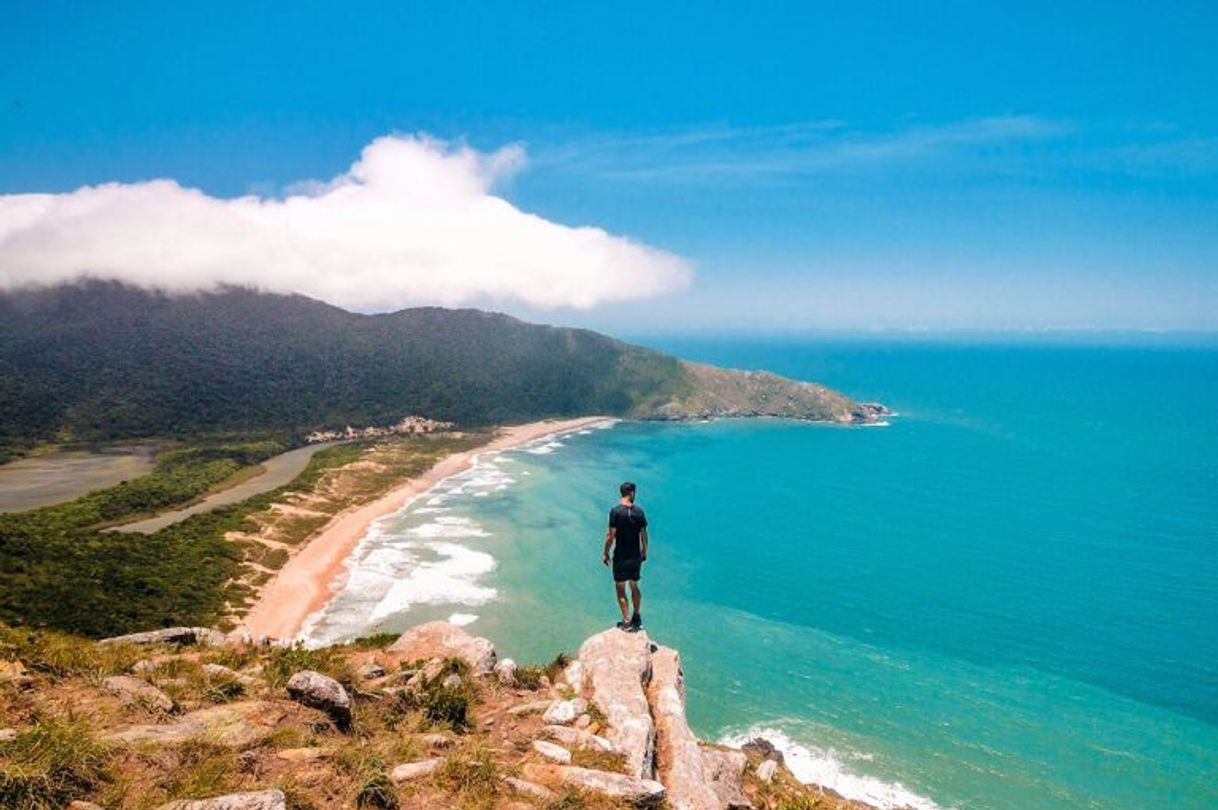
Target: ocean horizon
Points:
(1004, 598)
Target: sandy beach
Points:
(304, 584)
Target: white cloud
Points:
(413, 221)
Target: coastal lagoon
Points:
(1006, 598)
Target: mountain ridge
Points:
(102, 361)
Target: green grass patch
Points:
(54, 762)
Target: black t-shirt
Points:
(629, 522)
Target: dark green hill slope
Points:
(99, 361)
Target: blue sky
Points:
(833, 165)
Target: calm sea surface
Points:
(1007, 598)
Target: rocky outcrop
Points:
(180, 636)
(322, 692)
(617, 785)
(254, 800)
(710, 392)
(616, 670)
(579, 738)
(724, 771)
(563, 712)
(677, 750)
(443, 640)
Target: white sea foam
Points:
(824, 767)
(448, 526)
(462, 619)
(451, 580)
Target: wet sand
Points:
(304, 584)
(64, 476)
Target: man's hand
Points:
(605, 559)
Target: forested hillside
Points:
(99, 361)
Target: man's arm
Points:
(643, 542)
(610, 536)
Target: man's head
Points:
(627, 490)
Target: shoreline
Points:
(303, 585)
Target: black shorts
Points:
(627, 570)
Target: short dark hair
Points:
(627, 489)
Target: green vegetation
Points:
(99, 361)
(50, 764)
(58, 568)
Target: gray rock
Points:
(240, 636)
(562, 712)
(617, 668)
(7, 735)
(677, 750)
(253, 800)
(444, 640)
(322, 692)
(552, 752)
(435, 740)
(762, 748)
(135, 690)
(527, 788)
(579, 738)
(182, 636)
(505, 672)
(234, 725)
(144, 667)
(452, 681)
(725, 771)
(767, 769)
(616, 785)
(370, 671)
(223, 672)
(573, 676)
(416, 770)
(533, 707)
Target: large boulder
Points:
(616, 670)
(322, 692)
(234, 725)
(677, 751)
(616, 785)
(253, 800)
(443, 640)
(182, 636)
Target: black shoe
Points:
(622, 625)
(636, 621)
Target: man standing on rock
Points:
(627, 536)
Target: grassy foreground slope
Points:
(99, 361)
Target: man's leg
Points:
(622, 604)
(637, 596)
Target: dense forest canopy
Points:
(98, 361)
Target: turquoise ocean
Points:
(1005, 598)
